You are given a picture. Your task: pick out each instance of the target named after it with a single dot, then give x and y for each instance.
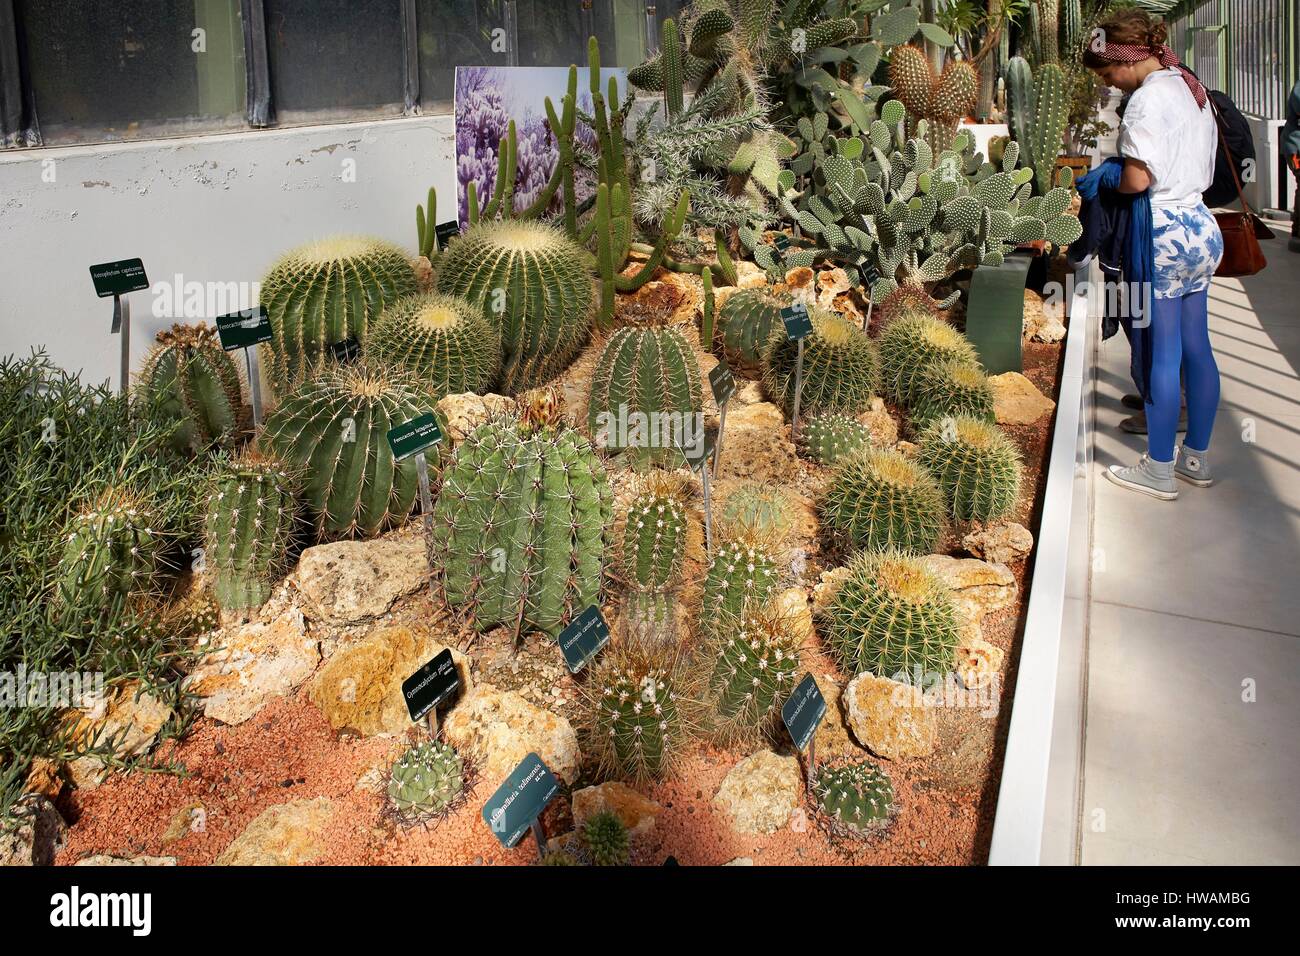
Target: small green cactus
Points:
(878, 500)
(976, 465)
(856, 798)
(747, 322)
(111, 551)
(950, 387)
(913, 343)
(635, 724)
(606, 839)
(558, 858)
(742, 570)
(443, 341)
(759, 508)
(189, 379)
(425, 781)
(653, 538)
(752, 663)
(250, 522)
(840, 368)
(829, 437)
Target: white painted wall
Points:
(215, 209)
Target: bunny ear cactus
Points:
(250, 522)
(443, 341)
(425, 782)
(976, 465)
(840, 367)
(857, 799)
(879, 500)
(188, 379)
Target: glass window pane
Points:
(334, 57)
(134, 68)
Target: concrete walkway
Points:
(1193, 675)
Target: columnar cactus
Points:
(747, 323)
(760, 510)
(976, 465)
(249, 525)
(532, 282)
(333, 431)
(443, 341)
(878, 500)
(893, 617)
(828, 437)
(951, 387)
(840, 368)
(327, 292)
(752, 664)
(856, 798)
(1038, 116)
(941, 100)
(1072, 28)
(913, 343)
(520, 523)
(741, 571)
(634, 725)
(652, 553)
(425, 781)
(111, 551)
(1049, 25)
(189, 379)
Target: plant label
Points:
(782, 241)
(798, 324)
(584, 638)
(119, 278)
(870, 274)
(347, 350)
(431, 685)
(803, 711)
(414, 436)
(517, 803)
(241, 330)
(698, 458)
(723, 383)
(446, 232)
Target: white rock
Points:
(348, 582)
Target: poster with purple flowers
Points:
(488, 97)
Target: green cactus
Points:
(976, 465)
(752, 663)
(443, 341)
(334, 432)
(951, 387)
(828, 437)
(904, 302)
(747, 323)
(425, 781)
(188, 379)
(757, 508)
(741, 571)
(840, 367)
(532, 283)
(1038, 115)
(605, 839)
(558, 858)
(653, 552)
(941, 100)
(112, 550)
(878, 499)
(913, 343)
(858, 799)
(250, 522)
(893, 617)
(635, 725)
(327, 292)
(520, 523)
(1072, 28)
(1049, 26)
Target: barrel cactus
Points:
(747, 323)
(878, 499)
(634, 725)
(425, 781)
(950, 387)
(893, 617)
(751, 664)
(857, 799)
(111, 551)
(334, 432)
(327, 292)
(519, 525)
(904, 302)
(829, 437)
(187, 378)
(913, 343)
(605, 838)
(840, 368)
(652, 553)
(443, 341)
(250, 522)
(976, 465)
(533, 284)
(742, 570)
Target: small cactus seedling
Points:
(976, 465)
(951, 387)
(857, 799)
(425, 781)
(443, 341)
(840, 368)
(558, 858)
(878, 499)
(188, 379)
(605, 839)
(829, 437)
(250, 521)
(757, 508)
(752, 663)
(913, 343)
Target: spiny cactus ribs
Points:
(605, 839)
(425, 782)
(879, 500)
(976, 465)
(758, 510)
(741, 571)
(840, 368)
(942, 100)
(654, 533)
(857, 799)
(442, 340)
(828, 438)
(893, 617)
(747, 323)
(250, 521)
(187, 378)
(951, 387)
(635, 720)
(914, 343)
(111, 552)
(752, 665)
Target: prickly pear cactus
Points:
(829, 437)
(976, 465)
(741, 571)
(752, 664)
(443, 341)
(856, 798)
(951, 387)
(250, 521)
(425, 781)
(840, 368)
(914, 343)
(519, 526)
(634, 725)
(189, 379)
(746, 324)
(878, 500)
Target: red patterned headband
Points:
(1137, 52)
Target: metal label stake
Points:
(116, 279)
(540, 836)
(708, 509)
(254, 386)
(410, 440)
(798, 392)
(122, 327)
(717, 449)
(426, 507)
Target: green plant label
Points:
(803, 711)
(584, 638)
(240, 330)
(782, 241)
(430, 685)
(520, 800)
(870, 274)
(446, 232)
(119, 278)
(723, 383)
(414, 436)
(347, 350)
(798, 323)
(698, 457)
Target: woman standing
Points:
(1168, 139)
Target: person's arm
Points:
(1136, 177)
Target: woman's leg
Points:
(1202, 370)
(1166, 363)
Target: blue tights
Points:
(1181, 339)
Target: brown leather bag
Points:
(1242, 255)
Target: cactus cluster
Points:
(893, 617)
(187, 379)
(111, 551)
(829, 437)
(1038, 108)
(879, 500)
(912, 344)
(425, 781)
(856, 798)
(247, 531)
(747, 323)
(635, 725)
(742, 571)
(976, 465)
(444, 342)
(652, 554)
(752, 664)
(941, 100)
(605, 838)
(519, 525)
(840, 367)
(947, 388)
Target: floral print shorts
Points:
(1189, 246)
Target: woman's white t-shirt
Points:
(1177, 140)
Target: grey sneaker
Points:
(1194, 466)
(1154, 478)
(1137, 424)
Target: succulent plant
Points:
(425, 781)
(189, 379)
(635, 724)
(193, 615)
(840, 368)
(904, 302)
(757, 508)
(532, 283)
(606, 839)
(443, 341)
(976, 465)
(742, 570)
(519, 525)
(250, 522)
(1038, 108)
(558, 858)
(654, 529)
(893, 617)
(829, 437)
(747, 322)
(752, 663)
(951, 387)
(333, 431)
(913, 343)
(878, 500)
(940, 99)
(856, 798)
(111, 551)
(324, 293)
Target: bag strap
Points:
(1232, 161)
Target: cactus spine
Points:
(911, 344)
(249, 525)
(741, 571)
(425, 782)
(635, 725)
(976, 465)
(443, 341)
(951, 387)
(879, 500)
(747, 323)
(111, 552)
(857, 798)
(189, 379)
(828, 438)
(1049, 25)
(752, 664)
(605, 839)
(652, 554)
(840, 367)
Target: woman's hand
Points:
(1136, 178)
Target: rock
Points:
(1000, 544)
(831, 283)
(288, 834)
(756, 444)
(907, 449)
(794, 602)
(979, 587)
(191, 818)
(104, 859)
(133, 717)
(977, 662)
(252, 664)
(833, 734)
(740, 861)
(824, 590)
(637, 812)
(880, 424)
(500, 728)
(44, 778)
(1043, 322)
(1017, 401)
(760, 791)
(801, 287)
(749, 276)
(348, 582)
(747, 393)
(423, 273)
(360, 687)
(37, 836)
(671, 297)
(465, 412)
(889, 718)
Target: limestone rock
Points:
(1017, 401)
(740, 861)
(465, 412)
(1043, 322)
(44, 778)
(977, 662)
(288, 834)
(749, 276)
(880, 424)
(747, 393)
(800, 285)
(907, 449)
(251, 664)
(132, 716)
(831, 284)
(37, 836)
(348, 582)
(824, 590)
(756, 444)
(637, 812)
(1000, 544)
(760, 792)
(500, 728)
(833, 734)
(190, 818)
(979, 587)
(890, 718)
(794, 602)
(104, 859)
